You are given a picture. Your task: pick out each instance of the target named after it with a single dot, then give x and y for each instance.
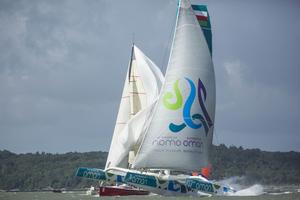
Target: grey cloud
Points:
(63, 64)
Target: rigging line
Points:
(163, 58)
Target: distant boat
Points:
(57, 190)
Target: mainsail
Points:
(180, 132)
(140, 93)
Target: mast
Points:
(130, 63)
(137, 97)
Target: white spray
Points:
(235, 182)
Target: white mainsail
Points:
(180, 132)
(141, 90)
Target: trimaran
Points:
(165, 125)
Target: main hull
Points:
(120, 191)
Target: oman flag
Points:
(201, 14)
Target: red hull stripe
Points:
(114, 191)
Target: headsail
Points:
(180, 132)
(141, 89)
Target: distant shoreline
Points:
(38, 171)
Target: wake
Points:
(254, 190)
(242, 190)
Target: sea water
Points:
(255, 192)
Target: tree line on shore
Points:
(36, 171)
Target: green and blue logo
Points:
(188, 117)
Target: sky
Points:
(63, 65)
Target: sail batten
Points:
(181, 128)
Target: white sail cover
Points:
(141, 90)
(181, 128)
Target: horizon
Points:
(63, 66)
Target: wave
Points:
(242, 190)
(279, 193)
(254, 190)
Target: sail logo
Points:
(178, 143)
(188, 118)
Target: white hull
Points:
(172, 185)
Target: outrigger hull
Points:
(176, 186)
(100, 175)
(109, 179)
